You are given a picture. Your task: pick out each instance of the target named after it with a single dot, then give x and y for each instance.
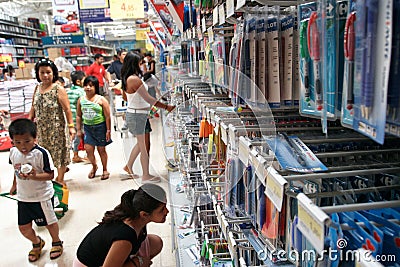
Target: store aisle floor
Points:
(88, 200)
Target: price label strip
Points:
(312, 221)
(275, 189)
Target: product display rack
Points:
(234, 224)
(21, 41)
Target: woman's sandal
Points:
(129, 173)
(92, 173)
(57, 248)
(105, 176)
(36, 251)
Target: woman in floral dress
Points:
(50, 104)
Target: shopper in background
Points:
(116, 66)
(49, 106)
(9, 73)
(121, 238)
(93, 111)
(99, 71)
(139, 103)
(74, 93)
(33, 172)
(151, 63)
(61, 82)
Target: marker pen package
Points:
(262, 59)
(273, 76)
(307, 101)
(327, 11)
(373, 54)
(393, 108)
(253, 47)
(286, 56)
(349, 44)
(296, 60)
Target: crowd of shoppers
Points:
(82, 113)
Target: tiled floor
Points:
(88, 201)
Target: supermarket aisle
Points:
(88, 201)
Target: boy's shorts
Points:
(42, 213)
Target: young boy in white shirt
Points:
(33, 172)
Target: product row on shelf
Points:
(330, 59)
(19, 40)
(267, 188)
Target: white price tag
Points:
(215, 16)
(230, 8)
(203, 25)
(210, 34)
(240, 3)
(244, 150)
(275, 188)
(311, 222)
(221, 14)
(224, 133)
(258, 164)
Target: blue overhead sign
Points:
(63, 39)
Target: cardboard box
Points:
(54, 53)
(65, 74)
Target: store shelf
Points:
(18, 25)
(2, 33)
(178, 200)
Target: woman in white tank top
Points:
(139, 103)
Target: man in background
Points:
(116, 66)
(99, 71)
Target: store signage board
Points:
(6, 58)
(141, 35)
(63, 40)
(94, 11)
(126, 9)
(312, 222)
(230, 8)
(221, 14)
(176, 11)
(164, 15)
(65, 17)
(275, 189)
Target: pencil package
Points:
(372, 63)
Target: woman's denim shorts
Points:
(138, 123)
(95, 135)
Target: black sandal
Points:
(57, 247)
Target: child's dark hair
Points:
(46, 63)
(61, 80)
(147, 198)
(92, 80)
(22, 126)
(77, 76)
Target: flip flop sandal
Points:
(92, 173)
(152, 180)
(105, 176)
(36, 253)
(57, 247)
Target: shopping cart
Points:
(118, 108)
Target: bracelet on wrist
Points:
(71, 125)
